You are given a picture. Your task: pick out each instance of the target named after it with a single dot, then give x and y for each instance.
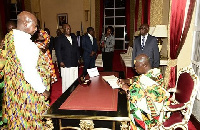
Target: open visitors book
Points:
(112, 80)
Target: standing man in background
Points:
(89, 45)
(54, 57)
(67, 53)
(79, 40)
(51, 43)
(10, 25)
(146, 44)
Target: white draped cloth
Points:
(28, 53)
(69, 75)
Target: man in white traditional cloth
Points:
(67, 53)
(25, 90)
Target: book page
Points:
(111, 80)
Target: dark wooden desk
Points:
(86, 117)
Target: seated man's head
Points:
(142, 64)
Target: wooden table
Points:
(87, 117)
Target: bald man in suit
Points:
(146, 44)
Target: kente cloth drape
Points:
(177, 36)
(128, 18)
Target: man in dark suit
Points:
(67, 56)
(79, 40)
(89, 45)
(146, 44)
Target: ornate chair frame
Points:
(180, 109)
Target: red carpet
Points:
(56, 88)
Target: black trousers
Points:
(107, 58)
(89, 62)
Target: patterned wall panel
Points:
(27, 4)
(156, 12)
(139, 14)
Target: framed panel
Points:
(62, 19)
(119, 44)
(120, 21)
(109, 12)
(115, 16)
(119, 3)
(120, 12)
(109, 21)
(109, 4)
(119, 32)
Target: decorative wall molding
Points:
(156, 12)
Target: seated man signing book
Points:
(146, 94)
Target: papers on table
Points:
(93, 72)
(112, 80)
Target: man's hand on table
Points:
(123, 84)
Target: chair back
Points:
(185, 85)
(186, 89)
(129, 51)
(180, 109)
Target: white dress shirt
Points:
(78, 40)
(70, 39)
(91, 38)
(28, 54)
(145, 39)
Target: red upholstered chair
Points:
(182, 101)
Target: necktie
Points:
(78, 39)
(142, 46)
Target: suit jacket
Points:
(109, 42)
(67, 53)
(88, 47)
(150, 49)
(51, 44)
